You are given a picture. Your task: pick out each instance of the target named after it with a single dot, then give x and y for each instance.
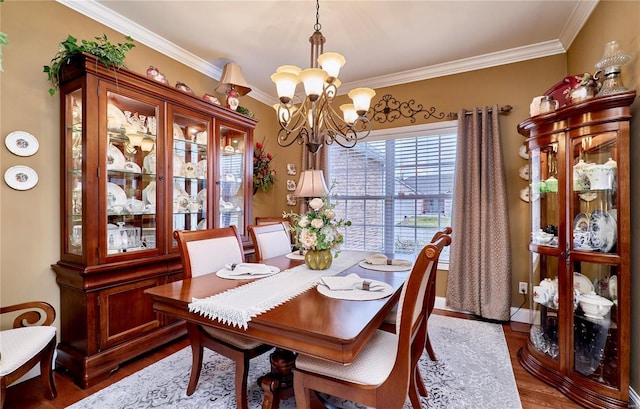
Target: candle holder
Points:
(611, 63)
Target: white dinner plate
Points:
(201, 169)
(524, 194)
(115, 158)
(21, 177)
(177, 132)
(118, 194)
(21, 143)
(177, 165)
(224, 273)
(149, 193)
(202, 224)
(523, 172)
(582, 283)
(603, 230)
(201, 197)
(149, 163)
(357, 294)
(116, 119)
(613, 287)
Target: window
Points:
(396, 187)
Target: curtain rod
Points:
(503, 110)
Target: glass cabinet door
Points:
(545, 205)
(232, 177)
(131, 182)
(594, 258)
(73, 159)
(190, 169)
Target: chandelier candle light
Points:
(314, 121)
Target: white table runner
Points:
(237, 306)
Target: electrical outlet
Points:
(522, 289)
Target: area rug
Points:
(473, 370)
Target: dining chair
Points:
(203, 252)
(32, 340)
(383, 373)
(390, 321)
(270, 240)
(262, 220)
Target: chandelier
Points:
(314, 121)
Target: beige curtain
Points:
(479, 279)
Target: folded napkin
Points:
(350, 282)
(247, 269)
(381, 259)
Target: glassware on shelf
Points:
(611, 63)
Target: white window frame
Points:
(407, 132)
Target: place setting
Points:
(380, 262)
(246, 271)
(353, 287)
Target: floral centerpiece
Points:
(263, 177)
(318, 232)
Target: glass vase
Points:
(318, 259)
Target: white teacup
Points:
(541, 295)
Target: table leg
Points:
(278, 384)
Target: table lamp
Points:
(233, 84)
(311, 184)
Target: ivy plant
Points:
(111, 55)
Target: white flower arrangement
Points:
(318, 228)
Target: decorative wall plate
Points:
(524, 194)
(523, 172)
(21, 143)
(523, 152)
(21, 177)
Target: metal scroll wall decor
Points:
(388, 109)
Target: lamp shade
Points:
(311, 184)
(233, 78)
(361, 99)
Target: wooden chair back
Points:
(207, 251)
(260, 220)
(270, 240)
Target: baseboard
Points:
(634, 399)
(517, 314)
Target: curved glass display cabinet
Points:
(580, 245)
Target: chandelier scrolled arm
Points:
(314, 122)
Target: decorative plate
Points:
(21, 177)
(189, 170)
(604, 230)
(115, 117)
(201, 169)
(581, 222)
(613, 287)
(132, 167)
(149, 193)
(116, 196)
(523, 172)
(201, 197)
(588, 196)
(202, 224)
(201, 138)
(177, 132)
(224, 273)
(357, 294)
(21, 143)
(115, 158)
(524, 194)
(177, 165)
(523, 152)
(149, 163)
(582, 283)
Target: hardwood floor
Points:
(534, 394)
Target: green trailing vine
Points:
(111, 55)
(3, 41)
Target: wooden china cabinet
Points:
(580, 245)
(140, 159)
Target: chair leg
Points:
(242, 373)
(430, 351)
(413, 391)
(46, 374)
(3, 393)
(195, 339)
(302, 394)
(418, 380)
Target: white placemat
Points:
(295, 256)
(385, 267)
(230, 275)
(238, 305)
(357, 294)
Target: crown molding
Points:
(577, 20)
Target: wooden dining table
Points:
(310, 323)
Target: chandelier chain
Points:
(317, 26)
